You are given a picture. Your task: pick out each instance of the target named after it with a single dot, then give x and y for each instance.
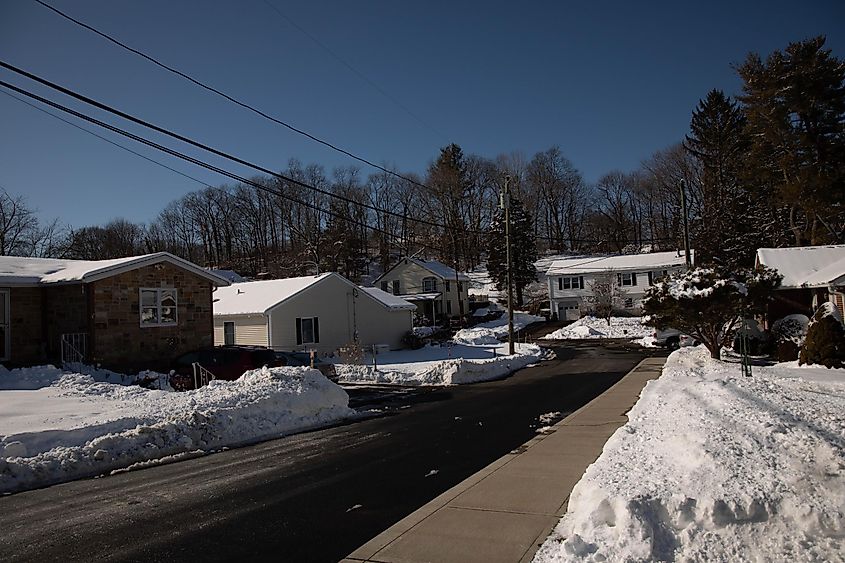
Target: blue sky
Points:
(608, 82)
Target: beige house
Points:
(437, 290)
(321, 313)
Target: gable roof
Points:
(627, 262)
(25, 271)
(259, 297)
(389, 300)
(437, 268)
(805, 266)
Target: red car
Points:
(220, 362)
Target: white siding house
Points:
(435, 288)
(570, 280)
(321, 313)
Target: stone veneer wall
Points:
(119, 342)
(65, 312)
(26, 338)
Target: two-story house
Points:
(439, 292)
(571, 279)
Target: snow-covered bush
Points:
(708, 304)
(789, 334)
(825, 342)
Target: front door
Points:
(4, 325)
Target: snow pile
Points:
(43, 376)
(594, 327)
(441, 365)
(490, 332)
(77, 427)
(424, 331)
(718, 467)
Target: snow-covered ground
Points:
(57, 426)
(631, 328)
(441, 365)
(713, 466)
(490, 332)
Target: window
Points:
(629, 278)
(570, 282)
(384, 286)
(395, 287)
(158, 307)
(228, 333)
(448, 287)
(430, 285)
(307, 330)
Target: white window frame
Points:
(430, 280)
(302, 330)
(570, 282)
(630, 282)
(158, 306)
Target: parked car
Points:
(304, 359)
(222, 362)
(673, 339)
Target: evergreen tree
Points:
(448, 180)
(523, 250)
(722, 232)
(794, 103)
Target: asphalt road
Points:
(310, 497)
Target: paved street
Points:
(310, 497)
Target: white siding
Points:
(411, 275)
(249, 329)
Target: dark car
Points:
(304, 359)
(220, 362)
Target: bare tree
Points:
(607, 295)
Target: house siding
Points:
(250, 330)
(340, 313)
(118, 340)
(411, 275)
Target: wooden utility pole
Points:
(686, 223)
(506, 205)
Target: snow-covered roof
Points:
(805, 266)
(389, 300)
(18, 270)
(439, 269)
(257, 297)
(626, 262)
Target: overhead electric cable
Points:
(158, 129)
(228, 97)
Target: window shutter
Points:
(560, 283)
(633, 278)
(650, 278)
(619, 280)
(298, 331)
(581, 282)
(316, 330)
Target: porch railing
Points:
(74, 348)
(201, 376)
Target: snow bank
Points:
(37, 377)
(436, 365)
(594, 327)
(77, 427)
(490, 332)
(715, 466)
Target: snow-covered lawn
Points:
(441, 365)
(631, 328)
(57, 426)
(713, 466)
(490, 332)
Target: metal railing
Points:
(74, 348)
(201, 376)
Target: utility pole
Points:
(683, 185)
(505, 204)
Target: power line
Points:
(214, 151)
(201, 163)
(352, 69)
(118, 145)
(228, 97)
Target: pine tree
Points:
(795, 109)
(523, 249)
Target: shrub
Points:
(789, 334)
(412, 341)
(825, 342)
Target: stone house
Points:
(571, 279)
(439, 292)
(811, 276)
(125, 314)
(321, 313)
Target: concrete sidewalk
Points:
(505, 511)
